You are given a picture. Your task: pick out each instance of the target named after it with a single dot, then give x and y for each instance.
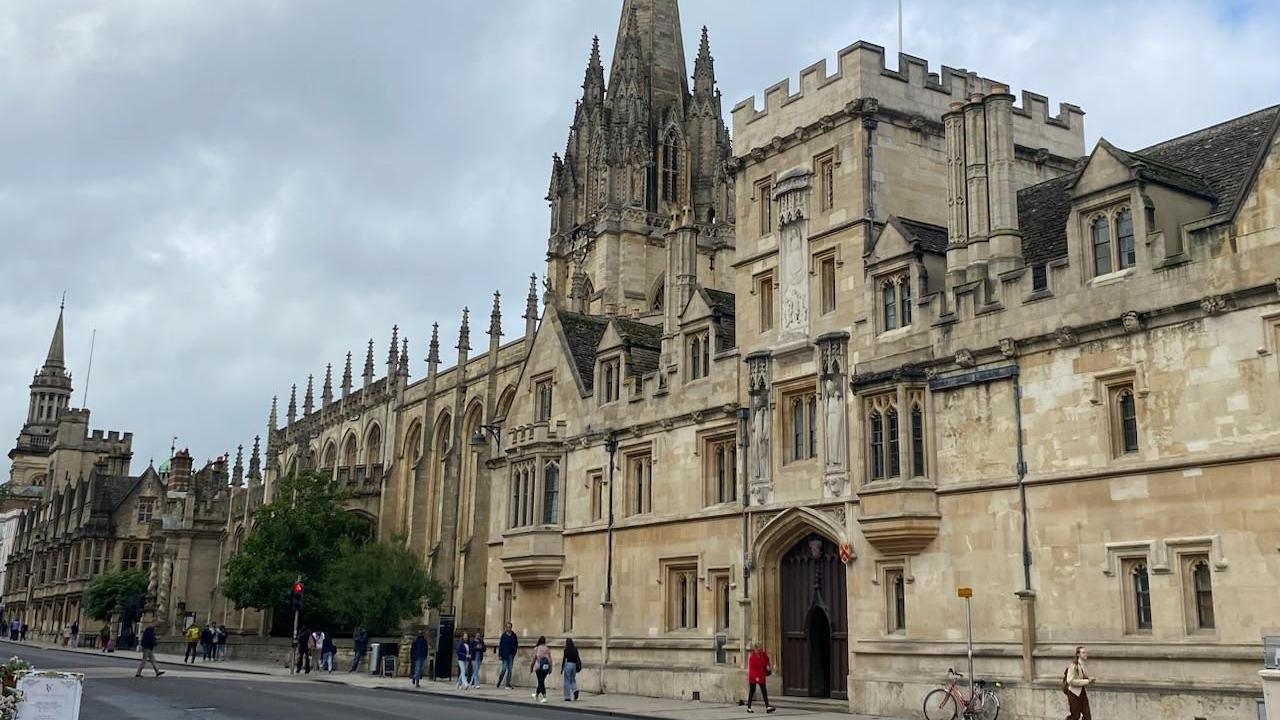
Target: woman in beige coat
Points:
(1074, 682)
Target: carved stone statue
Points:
(833, 404)
(760, 421)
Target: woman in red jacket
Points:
(758, 668)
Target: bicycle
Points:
(949, 702)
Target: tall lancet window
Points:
(671, 167)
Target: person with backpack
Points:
(570, 666)
(541, 666)
(508, 646)
(758, 669)
(463, 655)
(148, 651)
(418, 653)
(1074, 681)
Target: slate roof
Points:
(930, 237)
(644, 342)
(583, 332)
(722, 304)
(1216, 162)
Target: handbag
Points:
(768, 670)
(544, 664)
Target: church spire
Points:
(655, 24)
(51, 386)
(704, 68)
(56, 357)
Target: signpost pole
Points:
(967, 594)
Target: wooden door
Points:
(814, 625)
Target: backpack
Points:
(1066, 688)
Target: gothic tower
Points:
(640, 150)
(50, 398)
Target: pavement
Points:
(246, 690)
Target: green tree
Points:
(378, 585)
(122, 590)
(295, 535)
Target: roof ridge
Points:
(1149, 148)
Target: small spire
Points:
(237, 471)
(464, 332)
(531, 302)
(433, 349)
(368, 361)
(704, 69)
(308, 400)
(392, 358)
(404, 358)
(326, 393)
(255, 460)
(272, 419)
(495, 317)
(56, 357)
(704, 45)
(593, 84)
(346, 377)
(293, 403)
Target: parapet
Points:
(912, 88)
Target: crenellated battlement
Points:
(911, 88)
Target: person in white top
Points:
(1074, 681)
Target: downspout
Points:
(1027, 595)
(744, 444)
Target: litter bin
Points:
(374, 651)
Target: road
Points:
(111, 692)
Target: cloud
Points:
(234, 194)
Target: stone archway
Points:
(800, 603)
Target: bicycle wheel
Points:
(987, 707)
(939, 705)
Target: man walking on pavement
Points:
(206, 641)
(148, 650)
(508, 646)
(75, 633)
(192, 636)
(418, 653)
(361, 642)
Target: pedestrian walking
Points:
(508, 646)
(315, 648)
(327, 652)
(361, 643)
(303, 662)
(220, 643)
(22, 632)
(463, 655)
(206, 642)
(541, 667)
(570, 666)
(75, 633)
(192, 636)
(104, 637)
(478, 650)
(13, 629)
(1074, 681)
(758, 668)
(418, 653)
(148, 651)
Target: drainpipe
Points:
(611, 447)
(744, 444)
(1026, 596)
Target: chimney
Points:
(180, 471)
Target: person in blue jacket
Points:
(508, 646)
(418, 652)
(463, 654)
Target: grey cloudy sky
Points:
(234, 193)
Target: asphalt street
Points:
(111, 692)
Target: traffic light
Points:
(295, 597)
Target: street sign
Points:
(964, 592)
(50, 695)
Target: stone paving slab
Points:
(623, 706)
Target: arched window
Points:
(1203, 584)
(551, 493)
(917, 441)
(1128, 413)
(1100, 233)
(1126, 251)
(894, 462)
(413, 443)
(671, 167)
(695, 357)
(350, 453)
(877, 445)
(813, 425)
(797, 429)
(659, 298)
(1141, 584)
(890, 303)
(330, 457)
(373, 451)
(899, 603)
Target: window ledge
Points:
(1113, 277)
(895, 333)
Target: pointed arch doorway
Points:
(813, 623)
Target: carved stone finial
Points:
(433, 349)
(1008, 347)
